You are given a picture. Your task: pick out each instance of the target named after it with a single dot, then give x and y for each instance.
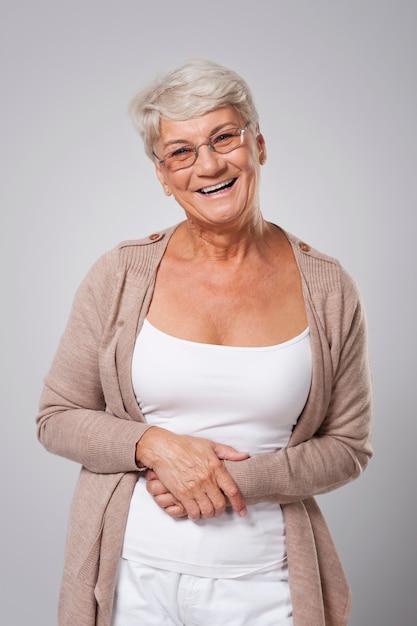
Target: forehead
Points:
(198, 127)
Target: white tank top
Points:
(246, 397)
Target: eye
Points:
(182, 152)
(226, 136)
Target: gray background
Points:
(334, 82)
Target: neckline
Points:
(215, 346)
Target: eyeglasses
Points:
(186, 155)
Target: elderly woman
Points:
(213, 377)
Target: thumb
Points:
(227, 453)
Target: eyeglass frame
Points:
(205, 143)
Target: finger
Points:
(208, 508)
(228, 453)
(173, 508)
(150, 475)
(232, 492)
(177, 510)
(155, 487)
(214, 504)
(205, 491)
(166, 500)
(189, 506)
(192, 509)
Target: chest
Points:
(248, 307)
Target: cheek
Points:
(178, 182)
(248, 158)
(251, 166)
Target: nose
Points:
(208, 160)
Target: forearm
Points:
(94, 438)
(292, 474)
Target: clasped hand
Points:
(187, 475)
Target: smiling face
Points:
(219, 189)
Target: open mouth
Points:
(216, 188)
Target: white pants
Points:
(147, 596)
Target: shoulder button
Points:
(154, 236)
(304, 246)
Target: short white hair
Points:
(192, 90)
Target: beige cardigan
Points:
(89, 414)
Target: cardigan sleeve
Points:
(339, 449)
(73, 419)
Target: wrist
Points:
(142, 456)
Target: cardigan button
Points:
(154, 236)
(304, 246)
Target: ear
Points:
(160, 174)
(262, 148)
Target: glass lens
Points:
(227, 140)
(180, 157)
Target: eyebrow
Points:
(215, 130)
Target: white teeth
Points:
(226, 183)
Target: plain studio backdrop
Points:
(335, 85)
